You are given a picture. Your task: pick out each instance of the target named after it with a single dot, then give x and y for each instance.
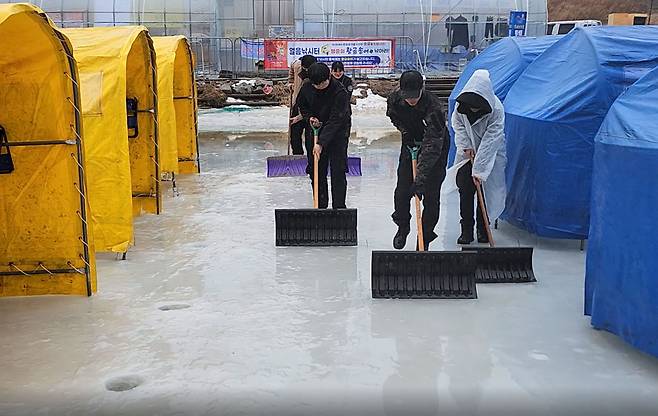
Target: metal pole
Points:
(61, 13)
(253, 15)
(377, 24)
(164, 16)
(189, 11)
(650, 11)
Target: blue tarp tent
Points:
(621, 286)
(553, 113)
(505, 60)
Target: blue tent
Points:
(553, 113)
(621, 285)
(505, 60)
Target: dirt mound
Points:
(210, 95)
(595, 9)
(382, 87)
(281, 93)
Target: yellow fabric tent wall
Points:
(116, 63)
(45, 244)
(177, 104)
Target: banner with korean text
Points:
(353, 53)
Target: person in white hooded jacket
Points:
(479, 125)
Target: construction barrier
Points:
(177, 104)
(45, 243)
(118, 87)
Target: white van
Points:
(564, 27)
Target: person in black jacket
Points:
(338, 71)
(324, 103)
(297, 75)
(418, 115)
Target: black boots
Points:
(483, 238)
(400, 239)
(467, 236)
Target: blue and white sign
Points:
(518, 23)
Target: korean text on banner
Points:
(354, 53)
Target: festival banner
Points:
(353, 53)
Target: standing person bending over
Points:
(297, 75)
(325, 104)
(418, 115)
(479, 125)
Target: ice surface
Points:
(369, 121)
(294, 331)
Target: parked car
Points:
(566, 26)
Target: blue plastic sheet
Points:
(438, 62)
(505, 60)
(553, 113)
(621, 285)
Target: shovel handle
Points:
(316, 167)
(483, 209)
(290, 124)
(419, 217)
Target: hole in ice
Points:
(174, 307)
(123, 383)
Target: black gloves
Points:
(418, 190)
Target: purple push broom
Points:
(295, 165)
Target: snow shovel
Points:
(295, 165)
(423, 274)
(500, 264)
(316, 227)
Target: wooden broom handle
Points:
(289, 124)
(316, 167)
(483, 208)
(419, 218)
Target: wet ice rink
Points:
(207, 317)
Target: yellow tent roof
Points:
(177, 104)
(45, 244)
(116, 63)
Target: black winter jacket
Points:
(331, 106)
(423, 124)
(347, 83)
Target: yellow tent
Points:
(177, 104)
(118, 87)
(45, 244)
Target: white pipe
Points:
(324, 16)
(333, 17)
(429, 31)
(422, 19)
